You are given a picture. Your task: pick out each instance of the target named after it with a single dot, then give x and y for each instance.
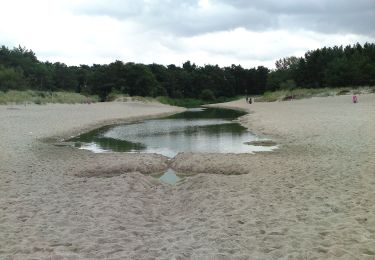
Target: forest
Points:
(349, 66)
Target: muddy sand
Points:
(313, 198)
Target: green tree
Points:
(207, 95)
(11, 78)
(140, 80)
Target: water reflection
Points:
(169, 177)
(196, 130)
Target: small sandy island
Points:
(313, 198)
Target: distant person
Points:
(355, 99)
(250, 100)
(247, 99)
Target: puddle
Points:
(200, 130)
(169, 177)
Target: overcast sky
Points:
(223, 32)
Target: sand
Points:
(313, 198)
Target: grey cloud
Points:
(302, 7)
(187, 18)
(325, 16)
(114, 8)
(128, 9)
(355, 23)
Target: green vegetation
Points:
(189, 85)
(281, 95)
(350, 66)
(182, 102)
(21, 70)
(192, 102)
(43, 97)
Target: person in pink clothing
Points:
(355, 99)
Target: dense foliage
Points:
(349, 66)
(338, 66)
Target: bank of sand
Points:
(313, 198)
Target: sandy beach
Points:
(313, 198)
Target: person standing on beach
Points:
(355, 99)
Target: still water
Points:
(206, 130)
(169, 177)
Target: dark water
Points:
(208, 130)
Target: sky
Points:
(223, 32)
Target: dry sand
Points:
(311, 199)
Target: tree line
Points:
(350, 66)
(327, 67)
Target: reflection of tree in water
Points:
(118, 145)
(112, 144)
(207, 129)
(220, 113)
(115, 145)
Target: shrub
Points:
(207, 95)
(11, 78)
(343, 92)
(183, 102)
(39, 97)
(288, 85)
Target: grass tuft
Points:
(282, 95)
(43, 97)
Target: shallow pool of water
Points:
(169, 177)
(203, 130)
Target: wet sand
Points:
(313, 198)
